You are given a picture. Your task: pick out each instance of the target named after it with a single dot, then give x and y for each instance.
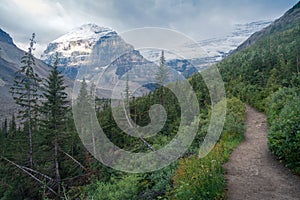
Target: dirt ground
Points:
(253, 172)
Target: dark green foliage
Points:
(12, 127)
(284, 117)
(4, 130)
(54, 110)
(256, 72)
(267, 76)
(277, 101)
(25, 93)
(26, 85)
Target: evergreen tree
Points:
(55, 109)
(5, 128)
(163, 71)
(81, 103)
(25, 93)
(162, 74)
(12, 126)
(83, 93)
(84, 118)
(92, 107)
(81, 108)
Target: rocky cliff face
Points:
(98, 46)
(76, 48)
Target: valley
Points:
(82, 122)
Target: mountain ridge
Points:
(289, 19)
(5, 37)
(10, 62)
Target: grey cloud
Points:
(196, 18)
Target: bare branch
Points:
(31, 175)
(43, 175)
(76, 161)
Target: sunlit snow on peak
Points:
(86, 31)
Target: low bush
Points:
(204, 178)
(284, 136)
(277, 101)
(124, 188)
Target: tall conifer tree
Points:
(25, 93)
(55, 110)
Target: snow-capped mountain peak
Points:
(76, 47)
(86, 31)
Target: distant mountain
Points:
(77, 46)
(10, 61)
(218, 48)
(90, 41)
(215, 48)
(94, 50)
(290, 19)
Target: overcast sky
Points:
(199, 19)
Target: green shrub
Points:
(204, 178)
(125, 188)
(235, 116)
(284, 137)
(277, 101)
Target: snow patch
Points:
(91, 32)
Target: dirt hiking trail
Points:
(253, 172)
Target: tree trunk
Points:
(30, 146)
(30, 131)
(56, 164)
(298, 65)
(93, 136)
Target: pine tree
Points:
(25, 93)
(83, 93)
(5, 128)
(163, 71)
(12, 126)
(55, 110)
(92, 107)
(162, 74)
(84, 118)
(81, 104)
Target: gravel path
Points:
(252, 171)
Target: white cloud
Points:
(197, 18)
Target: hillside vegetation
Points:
(52, 163)
(267, 76)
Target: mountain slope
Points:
(215, 48)
(288, 20)
(266, 75)
(10, 61)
